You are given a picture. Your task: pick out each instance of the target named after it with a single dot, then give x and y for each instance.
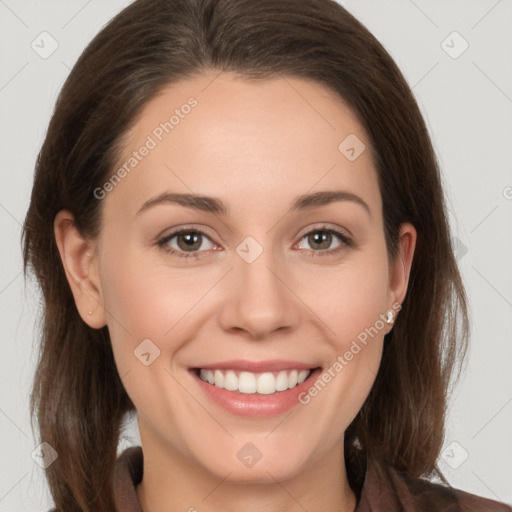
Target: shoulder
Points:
(387, 490)
(433, 496)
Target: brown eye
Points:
(189, 241)
(321, 240)
(185, 242)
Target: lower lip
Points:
(256, 405)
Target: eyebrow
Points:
(217, 206)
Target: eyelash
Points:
(346, 241)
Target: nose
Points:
(259, 298)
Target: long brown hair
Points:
(78, 398)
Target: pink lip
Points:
(256, 405)
(258, 366)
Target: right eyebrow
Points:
(194, 201)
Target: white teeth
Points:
(247, 382)
(207, 376)
(231, 381)
(292, 379)
(218, 379)
(282, 381)
(265, 383)
(303, 375)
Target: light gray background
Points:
(467, 102)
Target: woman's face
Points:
(261, 289)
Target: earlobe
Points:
(80, 265)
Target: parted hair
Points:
(78, 402)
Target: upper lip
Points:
(257, 366)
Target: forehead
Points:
(246, 140)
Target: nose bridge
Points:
(259, 301)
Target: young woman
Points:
(240, 235)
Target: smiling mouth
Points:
(263, 383)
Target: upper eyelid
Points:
(323, 227)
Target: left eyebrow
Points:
(217, 206)
(317, 199)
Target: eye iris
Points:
(191, 241)
(319, 237)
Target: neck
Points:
(172, 482)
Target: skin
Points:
(257, 145)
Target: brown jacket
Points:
(392, 494)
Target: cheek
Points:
(351, 305)
(337, 396)
(145, 298)
(152, 310)
(138, 305)
(144, 304)
(351, 297)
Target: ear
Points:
(401, 267)
(79, 259)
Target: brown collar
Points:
(382, 491)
